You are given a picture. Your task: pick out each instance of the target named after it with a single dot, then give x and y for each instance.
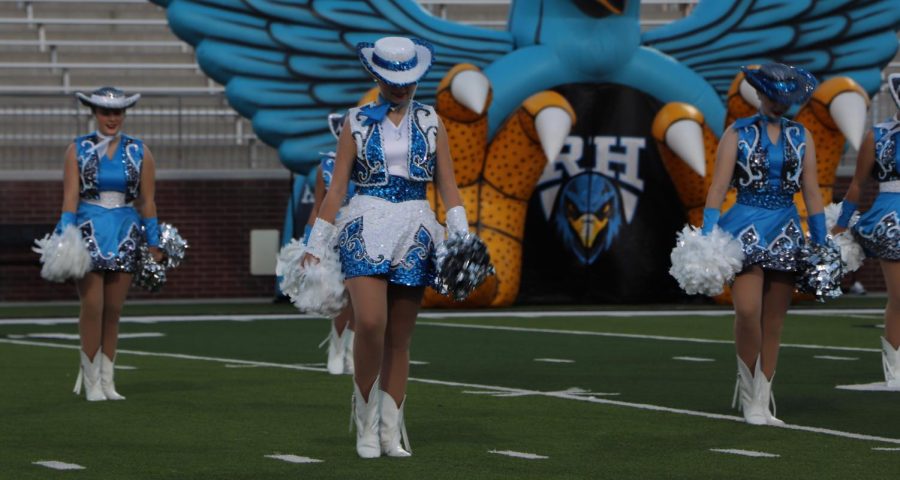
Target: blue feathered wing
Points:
(854, 38)
(287, 64)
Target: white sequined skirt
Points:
(387, 239)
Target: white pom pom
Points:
(852, 253)
(63, 256)
(705, 263)
(317, 288)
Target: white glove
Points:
(321, 238)
(456, 220)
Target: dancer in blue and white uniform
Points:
(386, 236)
(878, 229)
(767, 158)
(340, 338)
(108, 194)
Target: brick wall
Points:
(215, 216)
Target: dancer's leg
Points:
(746, 294)
(891, 270)
(90, 318)
(777, 292)
(115, 289)
(403, 308)
(369, 297)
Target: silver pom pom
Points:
(462, 263)
(821, 270)
(151, 275)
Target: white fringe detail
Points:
(63, 256)
(852, 253)
(703, 264)
(317, 289)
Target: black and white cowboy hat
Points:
(397, 61)
(108, 97)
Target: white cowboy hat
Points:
(108, 97)
(894, 87)
(397, 61)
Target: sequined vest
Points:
(89, 165)
(751, 171)
(887, 135)
(369, 166)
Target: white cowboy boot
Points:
(744, 388)
(393, 428)
(763, 396)
(106, 378)
(348, 350)
(890, 360)
(89, 375)
(335, 363)
(365, 416)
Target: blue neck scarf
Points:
(376, 113)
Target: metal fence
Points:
(196, 132)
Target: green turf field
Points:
(598, 394)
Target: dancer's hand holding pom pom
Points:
(151, 274)
(838, 216)
(64, 254)
(462, 262)
(312, 276)
(703, 261)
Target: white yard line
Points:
(448, 314)
(832, 357)
(565, 395)
(554, 360)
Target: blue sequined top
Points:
(767, 191)
(121, 173)
(112, 172)
(398, 189)
(887, 155)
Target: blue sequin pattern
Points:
(124, 259)
(398, 189)
(130, 151)
(882, 241)
(355, 260)
(752, 166)
(780, 254)
(886, 138)
(369, 168)
(416, 268)
(771, 200)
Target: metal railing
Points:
(183, 132)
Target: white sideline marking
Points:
(694, 359)
(886, 449)
(56, 465)
(478, 387)
(554, 360)
(230, 365)
(445, 314)
(832, 357)
(125, 367)
(868, 387)
(294, 459)
(630, 335)
(75, 336)
(746, 453)
(527, 456)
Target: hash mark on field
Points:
(418, 362)
(294, 459)
(886, 449)
(56, 465)
(833, 357)
(125, 367)
(746, 453)
(527, 456)
(694, 359)
(554, 360)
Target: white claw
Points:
(470, 88)
(553, 125)
(848, 110)
(685, 138)
(749, 94)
